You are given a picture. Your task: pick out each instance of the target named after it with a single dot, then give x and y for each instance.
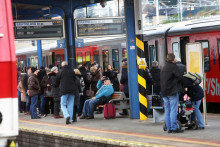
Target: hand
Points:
(28, 92)
(48, 85)
(93, 98)
(103, 77)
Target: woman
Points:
(23, 96)
(112, 75)
(95, 78)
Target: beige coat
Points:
(21, 89)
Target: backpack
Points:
(196, 78)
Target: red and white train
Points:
(173, 38)
(8, 76)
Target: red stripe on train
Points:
(8, 80)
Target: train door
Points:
(105, 58)
(96, 56)
(146, 52)
(183, 42)
(79, 58)
(88, 57)
(115, 59)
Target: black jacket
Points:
(155, 72)
(149, 80)
(169, 78)
(40, 76)
(55, 89)
(182, 69)
(84, 74)
(66, 81)
(124, 79)
(25, 82)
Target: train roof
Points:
(195, 26)
(156, 31)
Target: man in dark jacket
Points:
(169, 78)
(124, 81)
(155, 72)
(40, 76)
(66, 81)
(33, 91)
(25, 85)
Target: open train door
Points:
(195, 63)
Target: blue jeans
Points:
(197, 114)
(67, 103)
(88, 108)
(19, 101)
(34, 101)
(42, 104)
(171, 111)
(27, 103)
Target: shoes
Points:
(58, 116)
(177, 131)
(201, 128)
(98, 112)
(27, 113)
(122, 113)
(74, 120)
(79, 114)
(68, 120)
(90, 117)
(82, 117)
(170, 131)
(36, 117)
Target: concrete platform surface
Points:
(124, 131)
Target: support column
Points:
(39, 50)
(132, 64)
(140, 54)
(70, 39)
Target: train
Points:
(8, 78)
(158, 41)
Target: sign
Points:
(100, 26)
(61, 43)
(79, 43)
(142, 63)
(39, 29)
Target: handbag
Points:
(48, 93)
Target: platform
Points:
(124, 131)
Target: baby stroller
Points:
(185, 110)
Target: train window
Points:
(206, 55)
(124, 53)
(175, 48)
(36, 62)
(79, 58)
(152, 52)
(96, 56)
(105, 58)
(58, 60)
(115, 59)
(88, 57)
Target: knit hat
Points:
(54, 68)
(33, 69)
(106, 78)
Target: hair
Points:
(42, 67)
(170, 57)
(111, 67)
(154, 64)
(77, 72)
(93, 69)
(28, 67)
(47, 70)
(64, 63)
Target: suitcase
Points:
(109, 110)
(153, 101)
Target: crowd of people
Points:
(77, 92)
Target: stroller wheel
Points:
(194, 125)
(179, 125)
(164, 126)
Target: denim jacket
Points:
(106, 91)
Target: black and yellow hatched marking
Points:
(141, 79)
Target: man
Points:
(66, 82)
(124, 81)
(102, 96)
(33, 91)
(25, 85)
(169, 78)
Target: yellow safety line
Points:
(88, 137)
(186, 140)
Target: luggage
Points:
(153, 101)
(109, 110)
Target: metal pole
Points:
(132, 69)
(39, 50)
(140, 54)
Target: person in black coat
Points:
(155, 72)
(124, 81)
(169, 78)
(66, 82)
